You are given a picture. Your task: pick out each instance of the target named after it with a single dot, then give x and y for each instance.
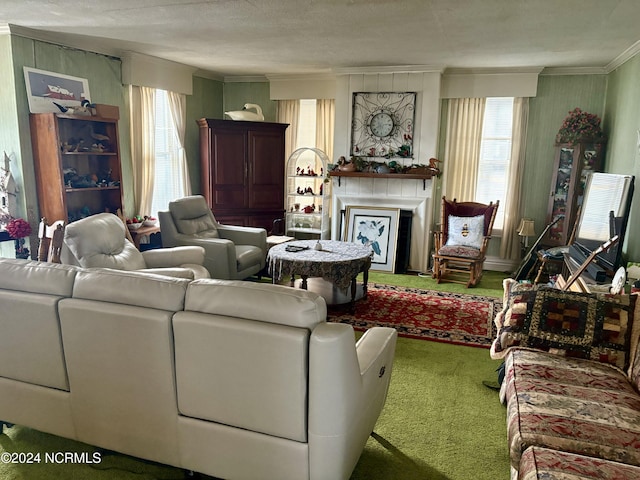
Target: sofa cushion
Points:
(546, 464)
(570, 404)
(242, 373)
(596, 327)
(256, 301)
(131, 288)
(37, 277)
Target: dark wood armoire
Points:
(242, 168)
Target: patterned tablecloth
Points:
(337, 262)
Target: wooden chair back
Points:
(51, 239)
(123, 217)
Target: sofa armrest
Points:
(174, 256)
(348, 386)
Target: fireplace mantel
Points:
(376, 190)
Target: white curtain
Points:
(289, 112)
(462, 148)
(178, 109)
(510, 243)
(142, 104)
(325, 125)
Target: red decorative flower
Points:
(18, 228)
(580, 125)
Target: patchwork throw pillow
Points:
(510, 287)
(591, 326)
(465, 231)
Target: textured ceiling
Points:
(263, 37)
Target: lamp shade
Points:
(526, 228)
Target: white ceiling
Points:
(285, 37)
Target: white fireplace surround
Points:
(411, 195)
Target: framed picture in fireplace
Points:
(376, 227)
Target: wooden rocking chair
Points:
(461, 245)
(51, 238)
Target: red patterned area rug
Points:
(425, 314)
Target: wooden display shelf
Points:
(89, 189)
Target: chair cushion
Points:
(465, 231)
(248, 256)
(99, 241)
(595, 327)
(459, 251)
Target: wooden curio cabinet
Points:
(573, 163)
(242, 168)
(77, 165)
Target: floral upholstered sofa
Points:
(572, 374)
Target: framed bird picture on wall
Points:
(376, 227)
(54, 92)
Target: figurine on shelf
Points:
(433, 166)
(345, 166)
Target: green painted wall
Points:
(622, 127)
(237, 94)
(205, 102)
(557, 95)
(105, 86)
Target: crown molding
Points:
(5, 29)
(300, 76)
(245, 79)
(628, 54)
(209, 75)
(493, 71)
(390, 69)
(574, 71)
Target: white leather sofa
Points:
(229, 378)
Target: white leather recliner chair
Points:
(99, 241)
(231, 252)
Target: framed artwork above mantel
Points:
(382, 124)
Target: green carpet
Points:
(439, 422)
(490, 285)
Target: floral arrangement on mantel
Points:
(579, 126)
(19, 228)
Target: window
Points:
(168, 181)
(495, 154)
(307, 124)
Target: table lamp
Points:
(526, 230)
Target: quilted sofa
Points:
(572, 376)
(228, 378)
